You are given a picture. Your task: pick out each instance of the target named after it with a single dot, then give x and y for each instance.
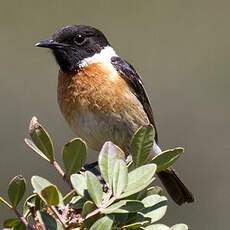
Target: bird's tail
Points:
(175, 187)
(172, 183)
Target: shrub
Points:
(119, 195)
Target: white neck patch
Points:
(103, 57)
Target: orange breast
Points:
(98, 104)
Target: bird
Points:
(102, 97)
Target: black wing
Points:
(136, 84)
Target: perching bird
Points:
(101, 95)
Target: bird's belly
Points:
(98, 128)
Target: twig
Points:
(56, 213)
(58, 168)
(65, 212)
(39, 222)
(98, 210)
(93, 213)
(69, 195)
(23, 219)
(62, 173)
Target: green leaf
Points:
(121, 218)
(133, 226)
(149, 191)
(105, 223)
(3, 201)
(10, 223)
(34, 202)
(141, 145)
(77, 202)
(69, 196)
(179, 227)
(139, 178)
(74, 156)
(79, 183)
(164, 227)
(31, 144)
(16, 190)
(14, 223)
(167, 158)
(124, 206)
(41, 140)
(50, 195)
(106, 161)
(157, 227)
(131, 206)
(94, 188)
(48, 221)
(88, 207)
(39, 184)
(75, 199)
(155, 207)
(120, 178)
(114, 207)
(154, 190)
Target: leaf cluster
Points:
(119, 196)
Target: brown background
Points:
(181, 49)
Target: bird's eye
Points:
(79, 39)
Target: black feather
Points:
(134, 81)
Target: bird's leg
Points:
(90, 166)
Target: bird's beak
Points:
(51, 44)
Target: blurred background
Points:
(180, 48)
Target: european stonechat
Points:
(101, 95)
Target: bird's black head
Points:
(72, 44)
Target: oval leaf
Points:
(106, 160)
(94, 188)
(39, 184)
(42, 140)
(155, 207)
(31, 144)
(16, 190)
(77, 202)
(139, 179)
(150, 191)
(157, 227)
(105, 223)
(135, 226)
(10, 223)
(120, 178)
(141, 145)
(32, 202)
(130, 207)
(167, 158)
(74, 156)
(88, 207)
(14, 223)
(50, 195)
(179, 227)
(79, 183)
(112, 208)
(69, 196)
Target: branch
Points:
(23, 219)
(59, 217)
(62, 173)
(98, 210)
